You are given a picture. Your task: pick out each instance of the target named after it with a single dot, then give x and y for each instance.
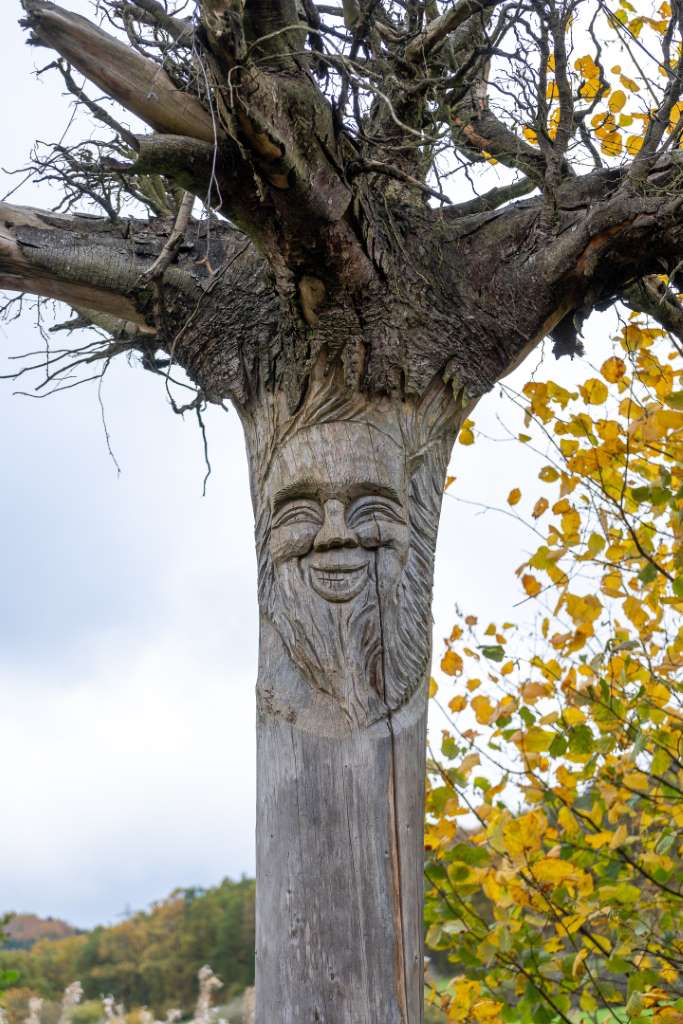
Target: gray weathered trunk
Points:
(339, 863)
(347, 493)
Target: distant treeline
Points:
(152, 958)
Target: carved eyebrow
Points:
(300, 489)
(375, 490)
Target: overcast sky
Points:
(128, 618)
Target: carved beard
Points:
(368, 654)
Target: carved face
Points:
(334, 518)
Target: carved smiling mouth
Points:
(338, 582)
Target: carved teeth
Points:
(338, 583)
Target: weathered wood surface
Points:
(347, 494)
(339, 862)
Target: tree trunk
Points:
(347, 493)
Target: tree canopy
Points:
(335, 147)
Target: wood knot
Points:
(311, 296)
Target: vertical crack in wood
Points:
(401, 967)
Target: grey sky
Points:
(128, 625)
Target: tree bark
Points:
(347, 493)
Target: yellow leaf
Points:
(568, 821)
(574, 716)
(611, 144)
(582, 609)
(613, 369)
(486, 1011)
(451, 664)
(577, 967)
(636, 780)
(433, 687)
(619, 837)
(491, 887)
(553, 871)
(465, 992)
(611, 584)
(449, 481)
(514, 496)
(537, 741)
(617, 101)
(593, 391)
(531, 585)
(629, 84)
(539, 508)
(548, 475)
(598, 839)
(457, 703)
(634, 144)
(483, 709)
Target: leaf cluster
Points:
(555, 807)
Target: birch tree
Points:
(304, 228)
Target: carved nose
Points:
(334, 532)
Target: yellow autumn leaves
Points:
(555, 803)
(616, 105)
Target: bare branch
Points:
(84, 261)
(173, 242)
(441, 27)
(180, 29)
(137, 83)
(492, 199)
(81, 280)
(654, 298)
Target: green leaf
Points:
(527, 716)
(494, 652)
(660, 495)
(675, 400)
(622, 893)
(558, 746)
(469, 854)
(581, 740)
(648, 574)
(665, 843)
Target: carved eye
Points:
(368, 510)
(298, 513)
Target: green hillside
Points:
(152, 958)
